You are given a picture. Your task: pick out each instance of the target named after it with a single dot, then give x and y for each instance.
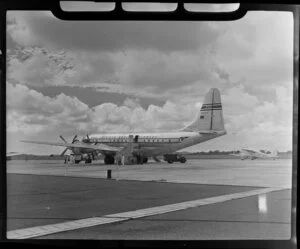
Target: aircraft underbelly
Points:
(82, 150)
(170, 148)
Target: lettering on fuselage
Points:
(140, 139)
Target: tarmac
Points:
(199, 200)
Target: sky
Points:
(71, 77)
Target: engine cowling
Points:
(77, 151)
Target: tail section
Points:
(210, 117)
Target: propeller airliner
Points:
(252, 154)
(138, 147)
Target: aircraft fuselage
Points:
(152, 144)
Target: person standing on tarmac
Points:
(123, 160)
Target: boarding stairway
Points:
(126, 155)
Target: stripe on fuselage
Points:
(213, 106)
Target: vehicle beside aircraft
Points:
(252, 154)
(170, 158)
(136, 147)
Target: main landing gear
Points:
(144, 159)
(77, 159)
(140, 159)
(130, 160)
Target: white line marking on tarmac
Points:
(112, 218)
(60, 227)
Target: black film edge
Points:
(180, 14)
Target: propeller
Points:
(73, 141)
(62, 138)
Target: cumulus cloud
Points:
(34, 115)
(67, 114)
(135, 118)
(35, 66)
(147, 73)
(249, 60)
(132, 103)
(258, 49)
(238, 101)
(266, 124)
(126, 57)
(28, 108)
(141, 58)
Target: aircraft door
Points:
(136, 138)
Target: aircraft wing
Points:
(100, 147)
(9, 155)
(250, 151)
(14, 154)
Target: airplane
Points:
(254, 154)
(9, 155)
(136, 147)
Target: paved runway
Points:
(263, 173)
(237, 219)
(202, 199)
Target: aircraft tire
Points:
(145, 159)
(183, 160)
(77, 161)
(170, 161)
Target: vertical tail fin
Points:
(210, 117)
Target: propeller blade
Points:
(87, 138)
(62, 138)
(74, 139)
(64, 152)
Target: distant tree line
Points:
(218, 152)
